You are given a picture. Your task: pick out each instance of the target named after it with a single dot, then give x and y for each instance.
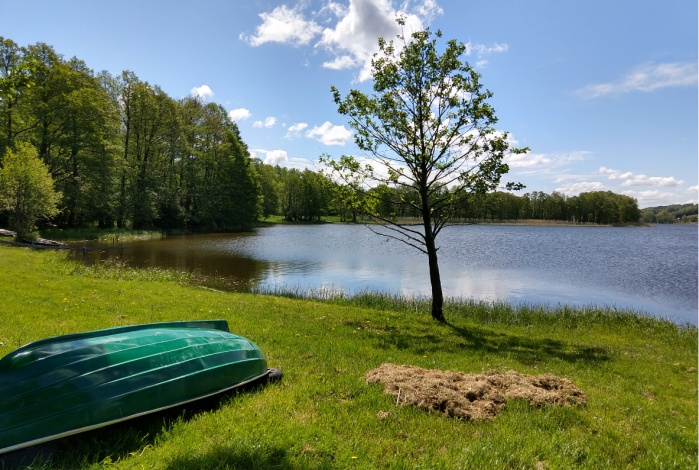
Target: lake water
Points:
(649, 269)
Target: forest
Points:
(122, 153)
(673, 214)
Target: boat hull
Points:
(69, 384)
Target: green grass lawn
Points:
(639, 375)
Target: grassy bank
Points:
(639, 375)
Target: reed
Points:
(102, 235)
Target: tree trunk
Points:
(435, 280)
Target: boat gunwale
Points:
(221, 325)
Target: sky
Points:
(603, 92)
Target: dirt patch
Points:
(472, 396)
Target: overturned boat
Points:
(68, 384)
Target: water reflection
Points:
(650, 269)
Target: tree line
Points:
(597, 207)
(675, 213)
(122, 153)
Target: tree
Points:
(429, 128)
(72, 120)
(16, 70)
(26, 188)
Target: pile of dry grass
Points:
(472, 396)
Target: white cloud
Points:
(527, 160)
(268, 122)
(270, 157)
(645, 78)
(329, 134)
(573, 189)
(341, 63)
(541, 161)
(653, 198)
(354, 39)
(295, 130)
(281, 158)
(482, 49)
(352, 35)
(428, 10)
(284, 25)
(631, 179)
(239, 114)
(203, 92)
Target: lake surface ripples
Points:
(649, 269)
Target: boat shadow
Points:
(120, 440)
(230, 458)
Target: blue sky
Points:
(603, 92)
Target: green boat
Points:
(68, 384)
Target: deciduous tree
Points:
(26, 188)
(428, 128)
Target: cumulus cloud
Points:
(573, 189)
(284, 25)
(352, 35)
(653, 198)
(540, 161)
(631, 179)
(239, 114)
(268, 122)
(329, 134)
(527, 160)
(203, 92)
(271, 157)
(295, 130)
(354, 39)
(645, 78)
(341, 63)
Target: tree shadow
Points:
(478, 340)
(527, 350)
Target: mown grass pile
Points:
(638, 374)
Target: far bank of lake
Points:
(647, 269)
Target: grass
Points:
(639, 375)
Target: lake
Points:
(648, 269)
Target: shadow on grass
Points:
(527, 350)
(244, 459)
(478, 340)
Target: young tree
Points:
(26, 188)
(428, 128)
